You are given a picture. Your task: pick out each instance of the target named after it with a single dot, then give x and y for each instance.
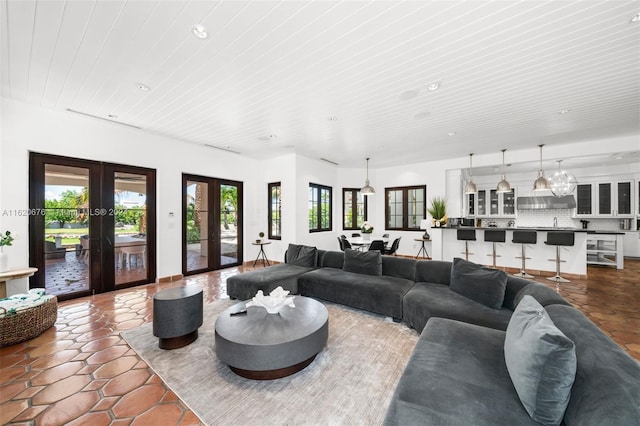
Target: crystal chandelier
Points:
(561, 182)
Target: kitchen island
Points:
(445, 246)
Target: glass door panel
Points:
(228, 225)
(66, 236)
(197, 226)
(131, 253)
(482, 202)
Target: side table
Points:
(261, 254)
(423, 249)
(13, 274)
(177, 315)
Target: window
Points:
(275, 210)
(354, 208)
(319, 208)
(405, 208)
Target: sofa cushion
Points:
(484, 285)
(427, 300)
(244, 286)
(331, 259)
(541, 362)
(363, 262)
(300, 255)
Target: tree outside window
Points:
(275, 211)
(354, 207)
(319, 208)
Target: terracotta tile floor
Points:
(81, 372)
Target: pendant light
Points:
(367, 189)
(561, 182)
(503, 185)
(541, 183)
(470, 187)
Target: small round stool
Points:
(559, 239)
(524, 238)
(177, 315)
(466, 235)
(494, 237)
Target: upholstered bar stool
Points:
(466, 235)
(524, 238)
(494, 237)
(559, 239)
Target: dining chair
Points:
(394, 247)
(377, 245)
(345, 244)
(355, 235)
(340, 244)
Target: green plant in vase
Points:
(438, 211)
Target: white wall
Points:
(28, 128)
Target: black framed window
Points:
(354, 208)
(319, 208)
(275, 211)
(405, 207)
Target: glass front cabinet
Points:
(605, 199)
(490, 203)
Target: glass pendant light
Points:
(541, 183)
(562, 182)
(470, 187)
(503, 185)
(367, 189)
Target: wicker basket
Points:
(28, 323)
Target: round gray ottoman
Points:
(177, 315)
(262, 346)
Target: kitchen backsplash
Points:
(544, 218)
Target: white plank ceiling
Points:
(340, 80)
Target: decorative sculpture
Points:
(274, 302)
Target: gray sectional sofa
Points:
(466, 368)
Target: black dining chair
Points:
(345, 244)
(340, 244)
(377, 245)
(393, 248)
(355, 235)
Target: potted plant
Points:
(366, 230)
(5, 240)
(438, 211)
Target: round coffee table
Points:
(262, 346)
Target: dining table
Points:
(362, 244)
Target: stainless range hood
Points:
(546, 202)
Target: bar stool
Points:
(466, 235)
(494, 237)
(559, 239)
(524, 238)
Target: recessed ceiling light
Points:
(564, 111)
(619, 157)
(409, 94)
(143, 87)
(333, 118)
(433, 86)
(421, 115)
(273, 136)
(112, 116)
(200, 31)
(636, 18)
(451, 134)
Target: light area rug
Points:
(350, 382)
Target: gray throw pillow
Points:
(302, 255)
(363, 262)
(541, 362)
(478, 283)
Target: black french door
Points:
(211, 224)
(95, 226)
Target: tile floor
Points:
(82, 372)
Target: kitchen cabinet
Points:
(631, 244)
(605, 199)
(605, 249)
(490, 203)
